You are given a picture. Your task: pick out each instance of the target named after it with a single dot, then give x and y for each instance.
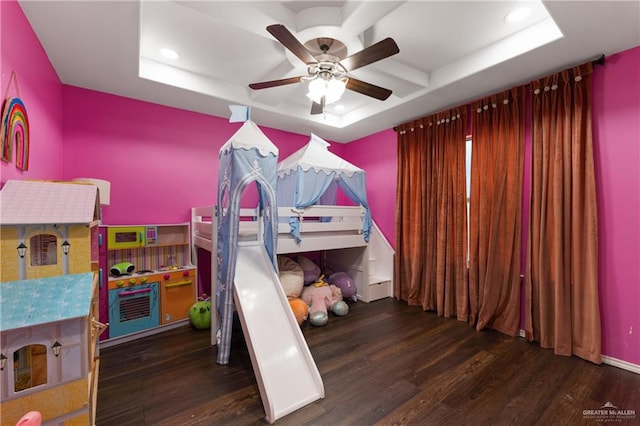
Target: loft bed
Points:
(343, 231)
(369, 264)
(340, 239)
(307, 219)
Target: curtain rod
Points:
(600, 60)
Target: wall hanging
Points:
(14, 126)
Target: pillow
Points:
(310, 269)
(291, 276)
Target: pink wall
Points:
(616, 131)
(160, 161)
(40, 91)
(377, 155)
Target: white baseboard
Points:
(625, 365)
(144, 333)
(614, 362)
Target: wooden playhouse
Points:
(48, 291)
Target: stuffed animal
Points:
(300, 309)
(200, 314)
(291, 276)
(320, 297)
(345, 283)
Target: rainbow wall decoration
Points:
(14, 128)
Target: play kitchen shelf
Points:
(139, 236)
(148, 281)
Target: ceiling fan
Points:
(328, 73)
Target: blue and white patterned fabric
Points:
(247, 157)
(313, 174)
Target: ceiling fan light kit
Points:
(327, 74)
(330, 88)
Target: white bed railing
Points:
(344, 229)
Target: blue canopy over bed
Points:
(313, 174)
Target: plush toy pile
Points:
(312, 295)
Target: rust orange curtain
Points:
(431, 235)
(496, 211)
(561, 302)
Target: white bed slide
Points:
(287, 375)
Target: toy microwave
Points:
(121, 237)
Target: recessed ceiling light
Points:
(169, 53)
(517, 15)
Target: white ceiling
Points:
(451, 52)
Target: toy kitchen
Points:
(147, 281)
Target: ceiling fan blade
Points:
(375, 52)
(274, 83)
(368, 89)
(284, 36)
(317, 108)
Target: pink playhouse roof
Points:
(24, 202)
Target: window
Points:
(29, 367)
(468, 176)
(468, 168)
(44, 250)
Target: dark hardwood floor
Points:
(385, 363)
